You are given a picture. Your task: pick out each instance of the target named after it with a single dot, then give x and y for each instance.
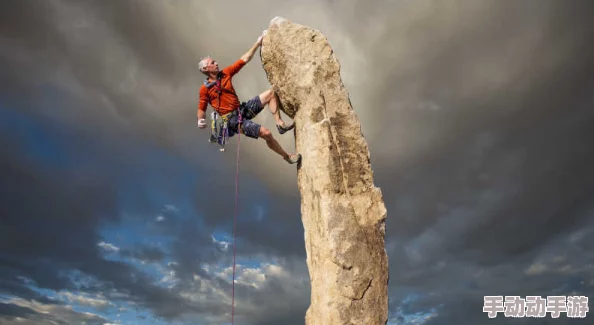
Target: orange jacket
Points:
(229, 100)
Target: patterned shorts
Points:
(249, 110)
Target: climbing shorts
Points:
(249, 110)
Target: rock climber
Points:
(218, 91)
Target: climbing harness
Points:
(220, 134)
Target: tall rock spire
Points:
(343, 213)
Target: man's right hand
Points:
(201, 123)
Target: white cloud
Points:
(274, 270)
(169, 279)
(117, 295)
(253, 277)
(566, 269)
(225, 273)
(204, 291)
(400, 318)
(536, 269)
(109, 247)
(579, 235)
(171, 208)
(223, 245)
(97, 302)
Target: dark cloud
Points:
(476, 116)
(149, 254)
(32, 314)
(10, 311)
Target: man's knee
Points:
(265, 134)
(266, 96)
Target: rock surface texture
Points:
(343, 213)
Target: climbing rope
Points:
(239, 121)
(225, 135)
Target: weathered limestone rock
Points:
(343, 213)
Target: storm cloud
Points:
(114, 207)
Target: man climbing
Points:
(218, 91)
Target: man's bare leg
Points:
(269, 98)
(276, 147)
(272, 143)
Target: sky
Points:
(115, 209)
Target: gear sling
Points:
(219, 125)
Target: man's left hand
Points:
(261, 38)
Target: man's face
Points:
(211, 66)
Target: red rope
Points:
(235, 216)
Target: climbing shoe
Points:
(293, 159)
(282, 129)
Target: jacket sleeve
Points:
(203, 99)
(234, 68)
